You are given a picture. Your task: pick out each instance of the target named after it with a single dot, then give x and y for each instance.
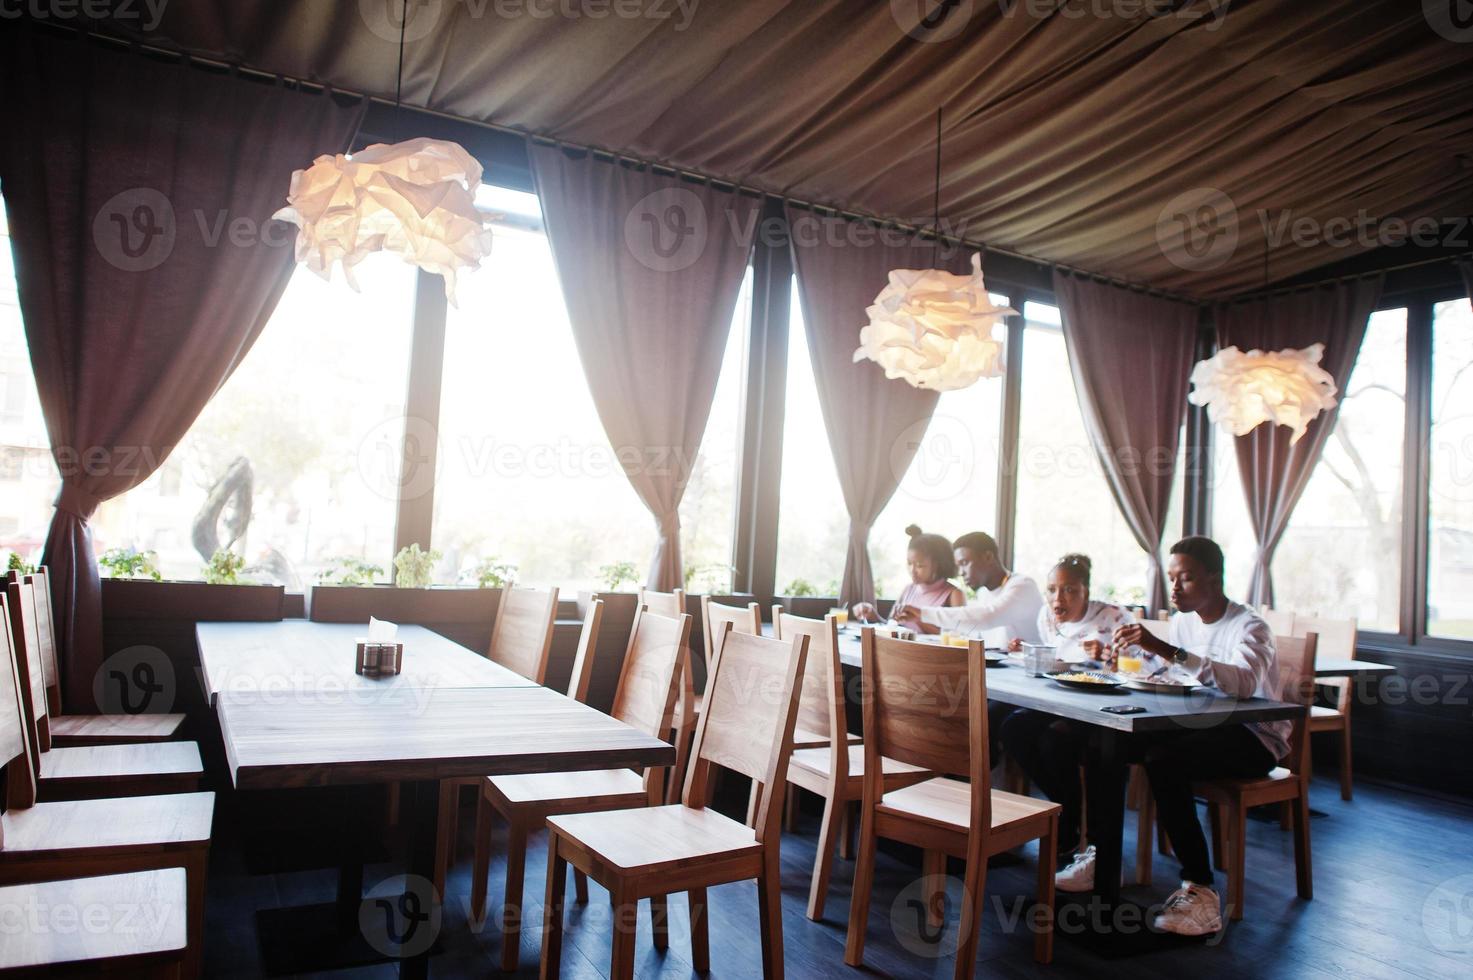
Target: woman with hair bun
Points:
(1078, 626)
(931, 566)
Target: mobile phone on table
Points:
(1123, 709)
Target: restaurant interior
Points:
(937, 488)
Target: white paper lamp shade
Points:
(1242, 391)
(415, 198)
(934, 329)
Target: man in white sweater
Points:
(1004, 599)
(1225, 644)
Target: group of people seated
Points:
(1212, 640)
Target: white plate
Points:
(1156, 687)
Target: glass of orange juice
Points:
(1129, 661)
(841, 615)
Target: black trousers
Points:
(1050, 750)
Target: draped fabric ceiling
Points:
(1069, 136)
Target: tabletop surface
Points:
(422, 733)
(296, 655)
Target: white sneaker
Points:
(1192, 910)
(1079, 876)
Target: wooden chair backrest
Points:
(46, 632)
(747, 724)
(821, 695)
(1294, 658)
(1337, 638)
(28, 659)
(715, 615)
(1281, 621)
(671, 605)
(1159, 628)
(582, 673)
(15, 745)
(648, 681)
(521, 639)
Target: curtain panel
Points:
(1275, 473)
(650, 267)
(1131, 355)
(875, 425)
(140, 195)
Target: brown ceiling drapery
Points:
(1131, 355)
(650, 268)
(874, 424)
(140, 195)
(1274, 473)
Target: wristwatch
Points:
(1178, 655)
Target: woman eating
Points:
(931, 566)
(1077, 626)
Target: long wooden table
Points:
(451, 713)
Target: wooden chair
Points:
(50, 842)
(833, 768)
(671, 605)
(1281, 621)
(926, 705)
(645, 699)
(751, 707)
(100, 729)
(86, 771)
(1228, 800)
(521, 640)
(714, 618)
(1336, 640)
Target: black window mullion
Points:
(1416, 482)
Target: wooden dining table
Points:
(294, 714)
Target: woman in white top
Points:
(1049, 748)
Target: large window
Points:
(527, 476)
(1341, 554)
(296, 459)
(1450, 532)
(1064, 502)
(28, 477)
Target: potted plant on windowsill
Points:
(803, 598)
(133, 588)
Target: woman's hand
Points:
(865, 612)
(1134, 634)
(1093, 649)
(1015, 645)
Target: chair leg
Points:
(660, 921)
(1163, 842)
(1286, 816)
(481, 863)
(933, 881)
(770, 915)
(1135, 788)
(700, 935)
(823, 857)
(1303, 869)
(846, 831)
(552, 911)
(684, 735)
(1144, 824)
(194, 950)
(1345, 790)
(1219, 842)
(445, 832)
(864, 879)
(1237, 868)
(974, 883)
(580, 887)
(1043, 935)
(790, 809)
(511, 909)
(752, 797)
(626, 922)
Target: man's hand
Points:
(1134, 634)
(903, 613)
(865, 612)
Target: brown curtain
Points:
(871, 420)
(650, 267)
(140, 194)
(1273, 472)
(1131, 355)
(1466, 267)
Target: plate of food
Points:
(1086, 680)
(1161, 685)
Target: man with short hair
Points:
(1215, 641)
(1004, 599)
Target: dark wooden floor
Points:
(1378, 863)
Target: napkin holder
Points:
(379, 658)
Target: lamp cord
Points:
(399, 78)
(936, 196)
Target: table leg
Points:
(350, 894)
(423, 798)
(1108, 809)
